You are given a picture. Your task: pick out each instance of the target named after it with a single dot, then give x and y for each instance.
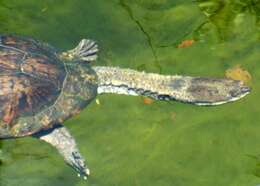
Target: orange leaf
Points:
(147, 101)
(186, 43)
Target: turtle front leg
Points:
(61, 139)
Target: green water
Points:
(126, 142)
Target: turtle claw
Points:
(85, 176)
(61, 139)
(78, 164)
(88, 172)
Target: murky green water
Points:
(165, 143)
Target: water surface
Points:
(125, 141)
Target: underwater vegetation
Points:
(129, 140)
(225, 15)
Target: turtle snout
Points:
(240, 90)
(216, 91)
(245, 90)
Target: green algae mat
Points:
(131, 141)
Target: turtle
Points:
(42, 86)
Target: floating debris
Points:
(97, 102)
(238, 73)
(147, 101)
(44, 9)
(186, 43)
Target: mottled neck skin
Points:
(81, 80)
(79, 89)
(195, 90)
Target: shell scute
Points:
(10, 60)
(23, 95)
(31, 78)
(44, 67)
(21, 44)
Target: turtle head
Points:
(86, 51)
(216, 91)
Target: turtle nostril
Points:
(245, 90)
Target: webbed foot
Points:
(77, 163)
(61, 139)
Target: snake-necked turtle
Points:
(41, 87)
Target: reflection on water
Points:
(133, 141)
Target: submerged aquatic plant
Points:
(225, 13)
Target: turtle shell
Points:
(31, 77)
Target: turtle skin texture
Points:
(37, 89)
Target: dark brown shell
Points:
(31, 77)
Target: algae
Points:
(125, 141)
